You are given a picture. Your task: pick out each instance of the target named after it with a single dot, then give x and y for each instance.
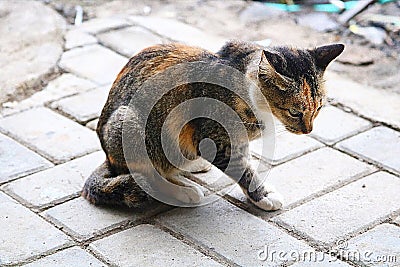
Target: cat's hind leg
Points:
(181, 188)
(102, 188)
(198, 165)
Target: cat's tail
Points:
(104, 188)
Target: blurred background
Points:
(370, 29)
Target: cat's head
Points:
(292, 82)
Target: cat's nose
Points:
(307, 128)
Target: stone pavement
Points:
(341, 183)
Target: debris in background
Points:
(374, 35)
(257, 12)
(351, 13)
(318, 21)
(284, 7)
(78, 16)
(389, 23)
(74, 14)
(146, 10)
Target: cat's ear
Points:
(268, 66)
(324, 55)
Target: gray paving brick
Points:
(84, 220)
(326, 167)
(333, 125)
(75, 38)
(65, 85)
(55, 184)
(348, 209)
(74, 256)
(16, 160)
(364, 100)
(287, 146)
(24, 234)
(376, 247)
(146, 245)
(92, 124)
(51, 134)
(325, 260)
(215, 179)
(129, 41)
(231, 232)
(85, 106)
(179, 31)
(380, 144)
(102, 24)
(93, 62)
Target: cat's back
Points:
(156, 59)
(150, 62)
(146, 64)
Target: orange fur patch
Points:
(186, 139)
(122, 73)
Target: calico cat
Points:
(290, 83)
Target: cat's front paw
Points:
(266, 199)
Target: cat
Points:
(290, 85)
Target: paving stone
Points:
(51, 134)
(287, 146)
(84, 220)
(102, 24)
(93, 62)
(57, 183)
(321, 260)
(324, 168)
(129, 41)
(179, 31)
(65, 85)
(365, 100)
(32, 48)
(83, 107)
(18, 224)
(215, 179)
(380, 144)
(92, 124)
(377, 247)
(333, 125)
(347, 209)
(16, 160)
(74, 256)
(146, 245)
(75, 38)
(231, 232)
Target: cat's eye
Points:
(295, 113)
